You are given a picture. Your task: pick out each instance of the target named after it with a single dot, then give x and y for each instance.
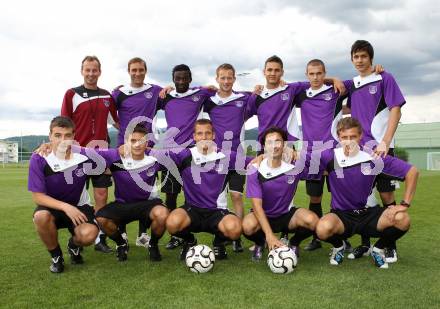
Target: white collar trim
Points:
(176, 94)
(268, 172)
(130, 164)
(129, 90)
(311, 93)
(345, 161)
(361, 81)
(266, 93)
(59, 165)
(200, 158)
(220, 101)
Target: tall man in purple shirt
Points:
(227, 110)
(204, 171)
(136, 99)
(352, 172)
(376, 101)
(182, 107)
(58, 186)
(271, 187)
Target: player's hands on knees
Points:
(381, 150)
(44, 149)
(273, 242)
(75, 215)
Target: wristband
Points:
(403, 203)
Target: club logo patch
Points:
(366, 170)
(290, 179)
(196, 98)
(372, 89)
(85, 95)
(327, 96)
(150, 172)
(79, 172)
(239, 103)
(285, 96)
(148, 95)
(106, 103)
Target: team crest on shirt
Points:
(85, 95)
(290, 179)
(285, 96)
(148, 95)
(106, 103)
(196, 98)
(79, 172)
(327, 96)
(366, 170)
(372, 89)
(239, 103)
(151, 171)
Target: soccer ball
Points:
(282, 260)
(200, 259)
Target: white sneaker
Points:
(125, 236)
(378, 256)
(337, 256)
(285, 241)
(390, 255)
(143, 240)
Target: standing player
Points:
(58, 186)
(376, 101)
(352, 173)
(271, 188)
(204, 173)
(89, 107)
(227, 111)
(135, 100)
(182, 107)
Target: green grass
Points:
(25, 281)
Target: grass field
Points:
(25, 280)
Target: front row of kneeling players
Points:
(57, 182)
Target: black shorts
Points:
(170, 183)
(236, 181)
(205, 220)
(316, 187)
(386, 183)
(100, 181)
(281, 223)
(363, 222)
(62, 221)
(124, 213)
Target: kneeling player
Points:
(204, 174)
(352, 173)
(271, 189)
(57, 183)
(136, 196)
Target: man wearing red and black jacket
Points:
(90, 108)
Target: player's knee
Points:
(324, 229)
(103, 222)
(160, 214)
(249, 227)
(43, 218)
(402, 220)
(311, 220)
(173, 224)
(232, 228)
(86, 234)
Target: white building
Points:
(8, 152)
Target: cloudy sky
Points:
(43, 43)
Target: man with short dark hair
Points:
(352, 173)
(58, 186)
(89, 107)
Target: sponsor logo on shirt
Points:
(148, 95)
(196, 98)
(239, 103)
(327, 96)
(106, 103)
(372, 89)
(79, 172)
(290, 179)
(56, 167)
(285, 96)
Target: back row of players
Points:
(375, 102)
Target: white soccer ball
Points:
(282, 260)
(200, 259)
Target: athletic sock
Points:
(316, 208)
(171, 201)
(185, 235)
(122, 228)
(219, 239)
(259, 238)
(389, 237)
(154, 239)
(301, 233)
(72, 244)
(117, 238)
(335, 240)
(365, 240)
(56, 252)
